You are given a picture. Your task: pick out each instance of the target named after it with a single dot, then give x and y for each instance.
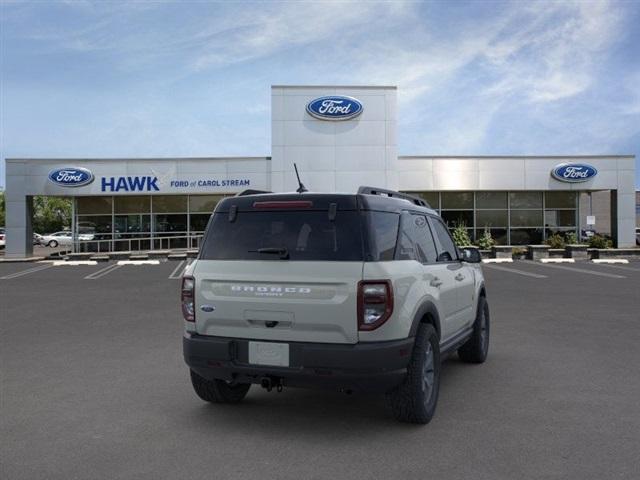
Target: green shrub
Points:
(486, 241)
(556, 241)
(460, 235)
(599, 241)
(570, 238)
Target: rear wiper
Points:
(283, 252)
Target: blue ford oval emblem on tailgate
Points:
(207, 308)
(574, 172)
(71, 177)
(334, 107)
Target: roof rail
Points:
(251, 191)
(393, 194)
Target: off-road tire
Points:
(475, 349)
(218, 391)
(411, 402)
(52, 244)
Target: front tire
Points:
(218, 391)
(53, 244)
(415, 400)
(475, 349)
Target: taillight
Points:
(375, 303)
(186, 298)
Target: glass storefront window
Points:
(560, 218)
(169, 223)
(169, 204)
(526, 218)
(203, 203)
(432, 198)
(133, 204)
(525, 200)
(92, 224)
(458, 217)
(491, 200)
(129, 224)
(93, 205)
(457, 200)
(198, 221)
(560, 199)
(492, 218)
(526, 236)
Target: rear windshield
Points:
(284, 235)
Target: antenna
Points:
(301, 187)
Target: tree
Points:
(51, 214)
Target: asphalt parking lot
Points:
(94, 386)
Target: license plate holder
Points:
(269, 353)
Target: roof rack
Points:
(251, 191)
(393, 194)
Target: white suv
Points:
(361, 292)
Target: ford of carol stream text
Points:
(354, 292)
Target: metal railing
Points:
(138, 244)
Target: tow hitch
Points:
(269, 383)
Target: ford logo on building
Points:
(574, 172)
(334, 107)
(71, 177)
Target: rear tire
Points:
(415, 400)
(218, 391)
(53, 244)
(475, 350)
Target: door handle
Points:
(459, 277)
(435, 282)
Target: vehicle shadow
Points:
(318, 413)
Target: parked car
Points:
(637, 236)
(352, 292)
(2, 240)
(63, 238)
(38, 239)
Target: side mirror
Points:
(471, 255)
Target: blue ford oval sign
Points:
(71, 177)
(334, 107)
(574, 172)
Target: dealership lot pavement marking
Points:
(514, 270)
(26, 272)
(102, 272)
(581, 270)
(626, 267)
(177, 272)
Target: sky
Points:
(111, 79)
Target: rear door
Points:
(279, 273)
(460, 277)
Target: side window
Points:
(446, 248)
(424, 240)
(415, 241)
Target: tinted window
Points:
(306, 235)
(424, 240)
(415, 241)
(446, 248)
(383, 228)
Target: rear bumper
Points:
(369, 367)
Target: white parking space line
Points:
(39, 268)
(138, 262)
(179, 270)
(516, 271)
(102, 272)
(580, 270)
(73, 263)
(175, 275)
(629, 269)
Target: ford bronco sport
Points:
(356, 292)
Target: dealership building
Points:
(340, 137)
